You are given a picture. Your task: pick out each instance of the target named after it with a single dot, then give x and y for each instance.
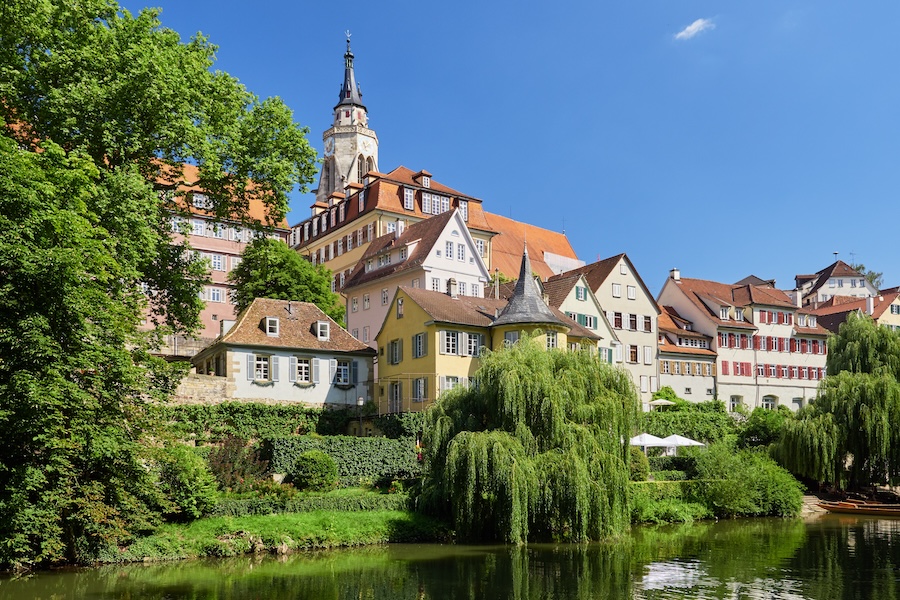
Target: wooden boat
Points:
(862, 508)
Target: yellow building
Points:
(431, 341)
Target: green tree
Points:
(269, 268)
(537, 452)
(849, 435)
(876, 278)
(98, 107)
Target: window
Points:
(648, 325)
(464, 209)
(395, 351)
(895, 309)
(390, 227)
(462, 288)
(735, 402)
(419, 389)
(342, 373)
(707, 370)
(365, 335)
(426, 203)
(840, 283)
(449, 342)
(420, 347)
(340, 244)
(323, 330)
(476, 290)
(303, 370)
(590, 321)
(831, 283)
(617, 320)
(687, 391)
(415, 282)
(723, 313)
(772, 371)
(510, 337)
(263, 367)
(632, 322)
(370, 232)
(461, 252)
(479, 245)
(738, 315)
(272, 326)
(409, 197)
(218, 231)
(354, 304)
(435, 284)
(235, 261)
(213, 294)
(632, 354)
(664, 367)
(445, 204)
(580, 293)
(198, 227)
(617, 290)
(349, 242)
(362, 200)
(623, 270)
(448, 250)
(551, 340)
(677, 366)
(474, 344)
(645, 383)
(648, 355)
(395, 398)
(201, 201)
(355, 333)
(403, 253)
(631, 291)
(426, 181)
(399, 308)
(784, 372)
(384, 297)
(770, 402)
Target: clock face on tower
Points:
(367, 145)
(329, 146)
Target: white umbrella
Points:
(646, 439)
(661, 402)
(675, 440)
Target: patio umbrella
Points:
(660, 402)
(674, 441)
(646, 439)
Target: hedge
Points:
(358, 459)
(241, 507)
(688, 464)
(703, 426)
(249, 420)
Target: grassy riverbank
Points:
(278, 533)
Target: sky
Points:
(725, 139)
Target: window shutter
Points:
(748, 371)
(443, 383)
(292, 369)
(793, 345)
(315, 370)
(425, 344)
(332, 370)
(581, 320)
(250, 367)
(778, 371)
(400, 350)
(462, 346)
(443, 342)
(756, 342)
(737, 368)
(273, 365)
(724, 367)
(354, 372)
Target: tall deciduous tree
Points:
(849, 435)
(876, 278)
(100, 107)
(538, 451)
(271, 269)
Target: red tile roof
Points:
(835, 269)
(507, 245)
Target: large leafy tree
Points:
(101, 108)
(876, 278)
(849, 436)
(538, 451)
(270, 269)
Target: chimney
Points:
(798, 298)
(496, 283)
(398, 231)
(452, 288)
(675, 274)
(870, 305)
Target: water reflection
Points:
(830, 558)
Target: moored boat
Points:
(862, 508)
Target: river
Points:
(829, 557)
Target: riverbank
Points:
(278, 534)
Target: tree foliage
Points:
(269, 268)
(536, 452)
(876, 278)
(849, 435)
(99, 108)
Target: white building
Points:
(687, 362)
(768, 351)
(285, 351)
(573, 296)
(836, 280)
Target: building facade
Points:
(834, 281)
(687, 362)
(883, 308)
(769, 351)
(284, 351)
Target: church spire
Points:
(350, 94)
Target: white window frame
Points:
(617, 290)
(631, 291)
(323, 330)
(409, 198)
(272, 326)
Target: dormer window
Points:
(723, 313)
(426, 181)
(738, 315)
(201, 200)
(801, 320)
(272, 326)
(409, 198)
(812, 321)
(464, 209)
(323, 330)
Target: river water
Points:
(830, 557)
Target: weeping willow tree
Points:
(538, 451)
(849, 435)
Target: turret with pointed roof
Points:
(526, 306)
(350, 93)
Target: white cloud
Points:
(695, 28)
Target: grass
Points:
(282, 534)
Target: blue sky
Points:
(722, 138)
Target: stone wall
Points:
(202, 389)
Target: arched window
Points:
(770, 402)
(331, 175)
(735, 402)
(326, 174)
(360, 165)
(370, 164)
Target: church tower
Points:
(351, 148)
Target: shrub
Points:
(187, 482)
(358, 459)
(235, 466)
(314, 470)
(310, 501)
(401, 425)
(668, 475)
(686, 463)
(763, 427)
(666, 502)
(704, 425)
(638, 465)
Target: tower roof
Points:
(526, 304)
(350, 94)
